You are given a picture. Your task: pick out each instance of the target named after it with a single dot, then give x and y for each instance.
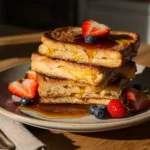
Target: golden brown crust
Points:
(131, 35)
(64, 34)
(134, 41)
(61, 44)
(67, 70)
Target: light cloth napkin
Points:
(22, 138)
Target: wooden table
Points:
(133, 138)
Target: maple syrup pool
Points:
(58, 110)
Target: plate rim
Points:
(118, 124)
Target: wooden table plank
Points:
(20, 39)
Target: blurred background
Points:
(31, 16)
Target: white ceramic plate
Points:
(84, 124)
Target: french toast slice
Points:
(87, 74)
(67, 43)
(73, 100)
(67, 70)
(49, 87)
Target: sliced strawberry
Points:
(138, 100)
(23, 88)
(31, 75)
(93, 28)
(116, 108)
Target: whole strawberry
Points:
(116, 108)
(138, 100)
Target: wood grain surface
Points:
(20, 39)
(133, 138)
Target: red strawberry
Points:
(138, 100)
(23, 88)
(31, 75)
(93, 28)
(116, 108)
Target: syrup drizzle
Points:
(101, 43)
(58, 111)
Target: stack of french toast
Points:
(72, 71)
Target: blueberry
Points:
(137, 86)
(25, 101)
(100, 113)
(90, 39)
(92, 109)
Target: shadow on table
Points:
(139, 132)
(54, 141)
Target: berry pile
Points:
(98, 111)
(132, 99)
